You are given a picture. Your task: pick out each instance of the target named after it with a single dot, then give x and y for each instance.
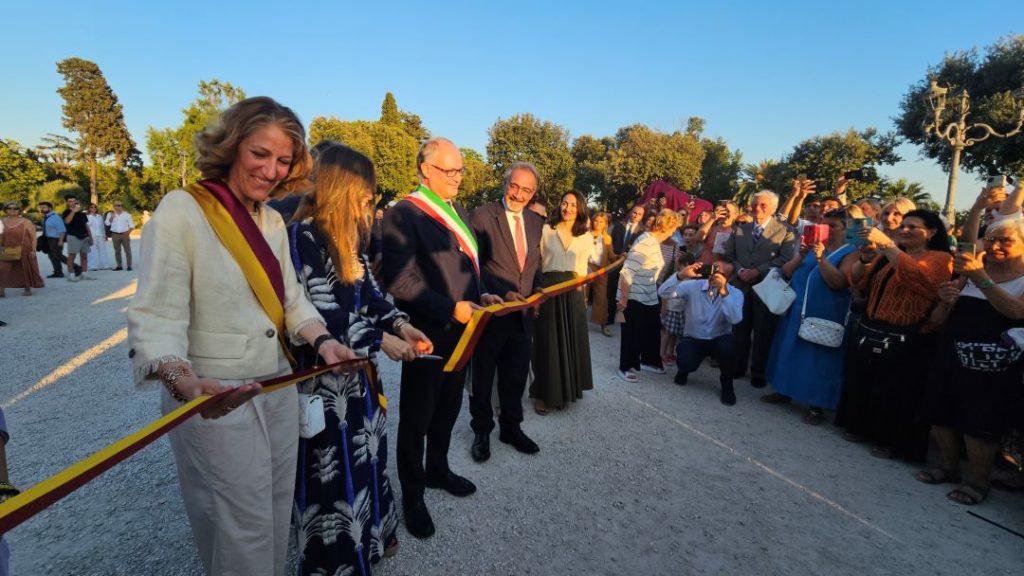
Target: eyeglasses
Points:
(1004, 240)
(449, 172)
(517, 188)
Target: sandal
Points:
(539, 408)
(853, 437)
(937, 476)
(966, 495)
(814, 417)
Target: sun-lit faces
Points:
(636, 214)
(891, 217)
(568, 208)
(443, 170)
(522, 185)
(1003, 245)
(263, 160)
(599, 224)
(762, 207)
(912, 233)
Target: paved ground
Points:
(644, 478)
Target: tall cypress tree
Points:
(92, 111)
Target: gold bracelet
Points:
(170, 378)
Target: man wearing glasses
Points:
(430, 265)
(509, 241)
(78, 241)
(121, 226)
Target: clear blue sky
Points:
(764, 75)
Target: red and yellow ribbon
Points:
(475, 327)
(40, 496)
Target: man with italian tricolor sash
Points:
(431, 267)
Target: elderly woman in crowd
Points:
(881, 400)
(217, 303)
(600, 257)
(799, 369)
(561, 362)
(637, 299)
(345, 466)
(978, 367)
(19, 269)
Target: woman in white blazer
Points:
(197, 327)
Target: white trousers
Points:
(237, 477)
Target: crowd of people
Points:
(905, 328)
(882, 327)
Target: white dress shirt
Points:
(708, 314)
(120, 223)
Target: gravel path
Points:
(644, 478)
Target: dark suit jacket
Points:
(620, 243)
(773, 250)
(424, 268)
(498, 262)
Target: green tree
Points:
(825, 158)
(389, 111)
(20, 173)
(753, 178)
(92, 111)
(525, 138)
(590, 167)
(58, 154)
(914, 191)
(171, 151)
(720, 170)
(478, 185)
(392, 149)
(990, 79)
(56, 191)
(642, 155)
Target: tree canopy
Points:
(391, 148)
(525, 138)
(92, 111)
(20, 173)
(825, 158)
(991, 79)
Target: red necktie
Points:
(520, 242)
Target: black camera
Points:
(857, 174)
(708, 270)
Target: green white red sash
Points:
(442, 212)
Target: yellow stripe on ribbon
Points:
(40, 496)
(475, 327)
(236, 245)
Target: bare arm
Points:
(838, 278)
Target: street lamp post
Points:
(956, 133)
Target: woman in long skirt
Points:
(561, 344)
(99, 255)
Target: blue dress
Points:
(345, 515)
(809, 373)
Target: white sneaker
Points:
(652, 369)
(628, 376)
(72, 278)
(84, 277)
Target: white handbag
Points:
(819, 330)
(775, 292)
(311, 415)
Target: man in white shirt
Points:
(121, 226)
(712, 308)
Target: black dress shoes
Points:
(728, 396)
(519, 441)
(481, 450)
(417, 519)
(118, 269)
(758, 381)
(453, 484)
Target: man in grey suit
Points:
(509, 240)
(754, 249)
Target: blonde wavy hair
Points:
(666, 220)
(341, 205)
(217, 144)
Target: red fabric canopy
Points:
(675, 198)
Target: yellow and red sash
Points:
(242, 239)
(475, 327)
(40, 496)
(441, 212)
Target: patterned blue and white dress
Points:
(344, 508)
